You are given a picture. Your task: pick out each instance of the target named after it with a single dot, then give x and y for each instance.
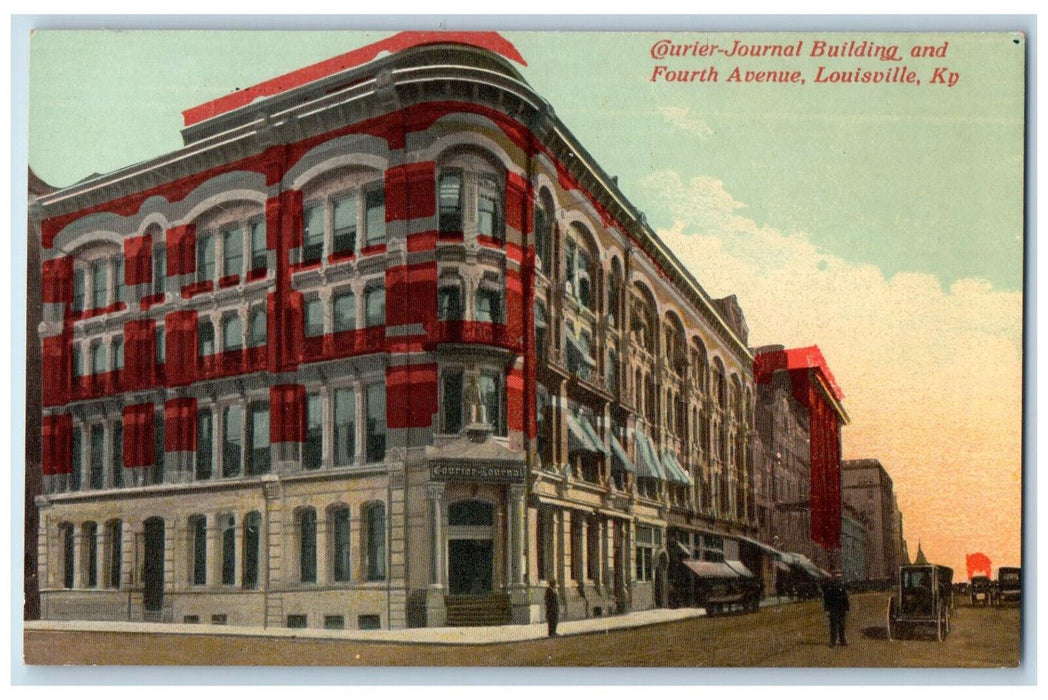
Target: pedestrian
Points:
(552, 607)
(835, 604)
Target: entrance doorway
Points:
(471, 548)
(153, 566)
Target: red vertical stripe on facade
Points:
(514, 309)
(181, 347)
(516, 201)
(138, 435)
(138, 260)
(411, 191)
(56, 445)
(411, 395)
(57, 281)
(411, 294)
(180, 425)
(515, 399)
(139, 354)
(57, 373)
(181, 250)
(287, 413)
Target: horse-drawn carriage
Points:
(923, 600)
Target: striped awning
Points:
(674, 471)
(648, 464)
(710, 569)
(739, 568)
(619, 456)
(582, 437)
(585, 354)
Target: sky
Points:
(882, 222)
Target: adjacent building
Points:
(383, 346)
(799, 416)
(868, 489)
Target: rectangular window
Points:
(296, 621)
(452, 391)
(205, 453)
(233, 252)
(489, 306)
(76, 361)
(340, 523)
(229, 548)
(79, 289)
(489, 208)
(593, 550)
(232, 334)
(259, 254)
(313, 449)
(257, 327)
(307, 549)
(375, 303)
(449, 303)
(98, 452)
(345, 426)
(198, 528)
(159, 268)
(161, 351)
(68, 554)
(645, 540)
(375, 216)
(76, 449)
(205, 338)
(117, 352)
(492, 396)
(119, 286)
(205, 260)
(344, 213)
(99, 284)
(313, 233)
(314, 317)
(158, 448)
(345, 311)
(543, 240)
(576, 547)
(114, 542)
(232, 441)
(334, 622)
(449, 194)
(259, 436)
(376, 422)
(116, 456)
(98, 358)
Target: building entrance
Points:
(153, 566)
(471, 548)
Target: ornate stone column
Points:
(436, 613)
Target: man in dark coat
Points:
(835, 603)
(552, 607)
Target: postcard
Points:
(448, 348)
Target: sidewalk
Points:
(425, 635)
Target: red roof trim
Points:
(491, 41)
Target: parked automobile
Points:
(1009, 584)
(981, 591)
(922, 601)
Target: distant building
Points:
(798, 419)
(854, 536)
(868, 489)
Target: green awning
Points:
(619, 456)
(674, 471)
(582, 437)
(648, 464)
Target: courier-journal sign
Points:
(478, 472)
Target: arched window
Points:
(544, 210)
(99, 283)
(580, 266)
(66, 539)
(252, 541)
(375, 541)
(159, 263)
(233, 251)
(375, 306)
(205, 337)
(259, 255)
(471, 195)
(89, 548)
(488, 299)
(341, 555)
(114, 553)
(232, 333)
(198, 550)
(307, 545)
(79, 288)
(450, 305)
(227, 525)
(205, 257)
(257, 327)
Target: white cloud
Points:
(932, 377)
(682, 118)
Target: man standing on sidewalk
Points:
(835, 603)
(552, 607)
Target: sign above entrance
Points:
(478, 472)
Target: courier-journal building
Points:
(383, 348)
